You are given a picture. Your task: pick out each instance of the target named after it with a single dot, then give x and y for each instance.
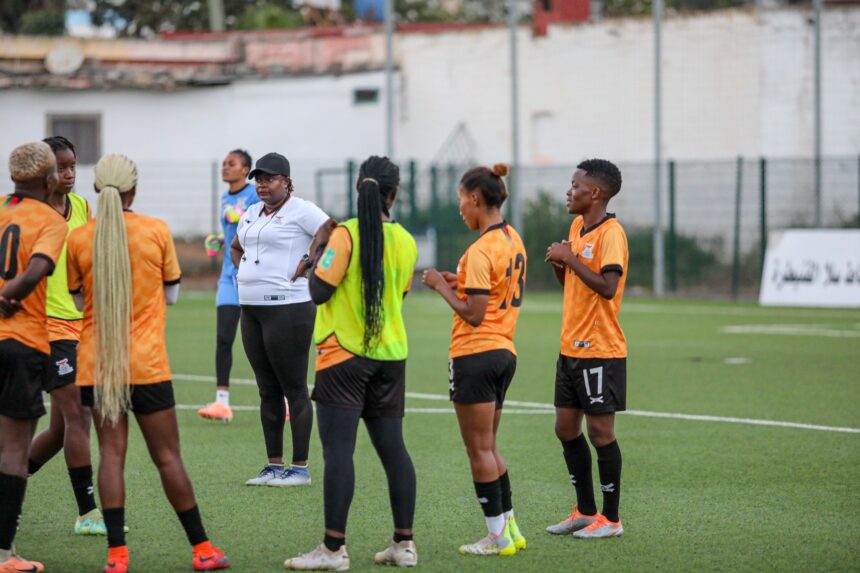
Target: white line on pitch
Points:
(748, 311)
(408, 410)
(542, 408)
(791, 330)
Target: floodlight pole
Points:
(216, 15)
(514, 179)
(389, 78)
(659, 260)
(817, 135)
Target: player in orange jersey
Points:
(70, 421)
(591, 372)
(122, 270)
(31, 239)
(486, 295)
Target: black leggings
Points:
(227, 323)
(277, 340)
(338, 428)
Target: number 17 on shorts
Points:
(595, 385)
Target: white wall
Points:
(735, 82)
(174, 137)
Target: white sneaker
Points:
(401, 554)
(600, 529)
(291, 476)
(320, 559)
(267, 474)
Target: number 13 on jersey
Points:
(516, 267)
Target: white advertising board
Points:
(812, 267)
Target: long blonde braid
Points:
(112, 306)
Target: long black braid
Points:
(378, 178)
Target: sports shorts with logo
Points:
(595, 385)
(376, 387)
(481, 377)
(145, 398)
(23, 372)
(64, 364)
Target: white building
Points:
(735, 83)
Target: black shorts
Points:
(145, 398)
(64, 364)
(481, 377)
(595, 385)
(376, 387)
(23, 372)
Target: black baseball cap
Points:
(271, 163)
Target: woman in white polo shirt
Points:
(270, 250)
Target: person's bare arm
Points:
(236, 251)
(320, 238)
(604, 284)
(14, 291)
(472, 310)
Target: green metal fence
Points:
(717, 214)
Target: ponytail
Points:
(378, 180)
(112, 307)
(372, 246)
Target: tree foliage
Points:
(43, 23)
(14, 13)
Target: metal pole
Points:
(216, 212)
(216, 15)
(762, 225)
(671, 247)
(318, 191)
(659, 260)
(434, 193)
(389, 78)
(413, 209)
(736, 243)
(817, 5)
(350, 187)
(514, 179)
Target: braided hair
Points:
(378, 179)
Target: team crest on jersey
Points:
(588, 251)
(63, 367)
(327, 259)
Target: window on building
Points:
(84, 131)
(362, 96)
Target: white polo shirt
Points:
(274, 245)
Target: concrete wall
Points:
(174, 137)
(735, 82)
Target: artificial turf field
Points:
(698, 495)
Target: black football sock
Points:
(505, 484)
(115, 524)
(193, 525)
(334, 543)
(609, 467)
(577, 455)
(12, 490)
(82, 485)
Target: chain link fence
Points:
(716, 214)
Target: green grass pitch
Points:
(698, 495)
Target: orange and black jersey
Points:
(153, 265)
(29, 228)
(494, 265)
(590, 327)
